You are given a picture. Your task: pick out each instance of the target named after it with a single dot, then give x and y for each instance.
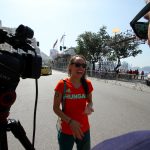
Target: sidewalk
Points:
(136, 85)
(139, 85)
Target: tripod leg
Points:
(19, 132)
(3, 138)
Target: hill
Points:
(146, 69)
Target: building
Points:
(70, 51)
(53, 53)
(62, 60)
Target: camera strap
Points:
(64, 96)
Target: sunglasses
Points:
(141, 28)
(78, 65)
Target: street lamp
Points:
(116, 30)
(63, 41)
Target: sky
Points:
(50, 19)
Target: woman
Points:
(78, 105)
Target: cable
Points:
(35, 108)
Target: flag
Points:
(62, 37)
(55, 44)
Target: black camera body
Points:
(22, 62)
(14, 65)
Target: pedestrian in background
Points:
(75, 126)
(142, 75)
(137, 73)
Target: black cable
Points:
(35, 108)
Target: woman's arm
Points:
(74, 125)
(89, 108)
(90, 102)
(56, 107)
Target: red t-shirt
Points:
(75, 103)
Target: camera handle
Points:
(18, 131)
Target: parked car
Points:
(148, 79)
(46, 70)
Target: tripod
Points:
(6, 100)
(18, 131)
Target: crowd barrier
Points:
(108, 75)
(114, 75)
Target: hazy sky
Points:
(50, 19)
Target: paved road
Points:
(118, 110)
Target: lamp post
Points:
(63, 47)
(115, 31)
(63, 41)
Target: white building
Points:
(53, 53)
(70, 51)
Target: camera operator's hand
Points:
(76, 128)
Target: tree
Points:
(91, 45)
(123, 49)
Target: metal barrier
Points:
(107, 75)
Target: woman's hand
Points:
(76, 128)
(88, 109)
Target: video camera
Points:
(15, 64)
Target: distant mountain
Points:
(145, 68)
